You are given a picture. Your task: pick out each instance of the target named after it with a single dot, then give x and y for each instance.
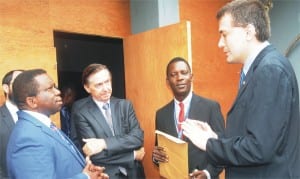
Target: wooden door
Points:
(146, 57)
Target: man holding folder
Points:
(186, 104)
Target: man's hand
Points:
(93, 171)
(159, 154)
(139, 154)
(198, 174)
(93, 146)
(198, 132)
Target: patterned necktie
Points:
(108, 117)
(62, 136)
(180, 118)
(242, 78)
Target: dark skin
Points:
(48, 102)
(198, 174)
(179, 79)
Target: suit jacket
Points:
(200, 109)
(6, 125)
(262, 130)
(89, 122)
(36, 151)
(65, 123)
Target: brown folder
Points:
(177, 150)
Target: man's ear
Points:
(167, 82)
(87, 89)
(250, 30)
(31, 102)
(5, 88)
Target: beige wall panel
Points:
(103, 17)
(146, 58)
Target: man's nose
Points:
(221, 43)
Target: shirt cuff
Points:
(88, 177)
(207, 174)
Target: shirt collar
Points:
(11, 106)
(100, 104)
(252, 57)
(13, 109)
(186, 100)
(41, 117)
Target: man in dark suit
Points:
(179, 78)
(262, 136)
(36, 148)
(68, 94)
(108, 125)
(8, 117)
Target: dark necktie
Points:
(108, 117)
(180, 118)
(242, 78)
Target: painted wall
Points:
(213, 77)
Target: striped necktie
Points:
(108, 117)
(62, 136)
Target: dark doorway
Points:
(76, 51)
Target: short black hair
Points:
(25, 86)
(8, 77)
(177, 59)
(92, 69)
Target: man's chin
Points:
(183, 92)
(104, 98)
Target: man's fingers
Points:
(87, 159)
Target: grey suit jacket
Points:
(6, 125)
(262, 129)
(200, 109)
(89, 122)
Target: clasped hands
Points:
(93, 171)
(93, 146)
(198, 132)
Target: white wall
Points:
(151, 14)
(285, 26)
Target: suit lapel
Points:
(54, 135)
(170, 119)
(6, 117)
(250, 73)
(98, 118)
(64, 141)
(115, 114)
(193, 107)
